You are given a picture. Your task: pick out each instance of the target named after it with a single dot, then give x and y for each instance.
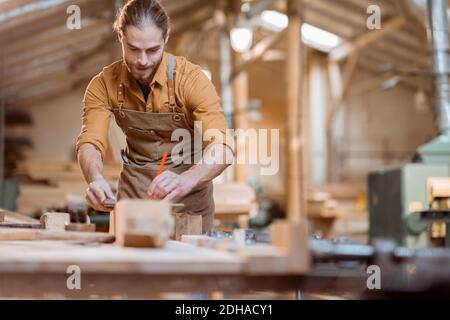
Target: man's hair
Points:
(138, 13)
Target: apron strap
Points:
(170, 83)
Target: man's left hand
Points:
(171, 186)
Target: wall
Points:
(379, 128)
(57, 123)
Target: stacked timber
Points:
(53, 186)
(339, 210)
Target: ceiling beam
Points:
(365, 39)
(331, 24)
(338, 10)
(414, 17)
(193, 22)
(56, 86)
(257, 52)
(37, 24)
(44, 67)
(259, 7)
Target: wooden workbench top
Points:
(54, 256)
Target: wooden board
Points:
(11, 219)
(20, 225)
(9, 234)
(175, 258)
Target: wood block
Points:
(55, 220)
(82, 227)
(292, 238)
(187, 224)
(143, 223)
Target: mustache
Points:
(143, 68)
(130, 65)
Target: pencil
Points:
(160, 170)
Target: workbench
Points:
(38, 269)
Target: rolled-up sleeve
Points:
(96, 116)
(202, 99)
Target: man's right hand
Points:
(97, 192)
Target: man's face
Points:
(142, 51)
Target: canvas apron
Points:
(148, 136)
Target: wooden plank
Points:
(10, 234)
(295, 68)
(20, 225)
(256, 53)
(175, 258)
(365, 39)
(14, 217)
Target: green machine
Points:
(411, 203)
(402, 205)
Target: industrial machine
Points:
(410, 203)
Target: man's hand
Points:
(97, 192)
(171, 186)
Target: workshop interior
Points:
(337, 119)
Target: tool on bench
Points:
(109, 203)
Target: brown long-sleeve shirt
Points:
(194, 93)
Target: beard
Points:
(143, 76)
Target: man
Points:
(151, 94)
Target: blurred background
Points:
(363, 95)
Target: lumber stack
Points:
(232, 200)
(54, 185)
(337, 210)
(56, 172)
(321, 212)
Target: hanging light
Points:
(274, 20)
(319, 38)
(241, 39)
